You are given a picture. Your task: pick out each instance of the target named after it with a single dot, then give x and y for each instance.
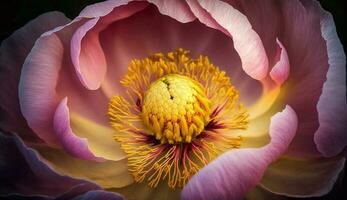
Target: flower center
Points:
(178, 115)
(176, 109)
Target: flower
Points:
(162, 99)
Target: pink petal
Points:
(178, 10)
(307, 53)
(72, 144)
(37, 85)
(330, 137)
(302, 177)
(86, 53)
(88, 58)
(265, 18)
(247, 43)
(280, 72)
(14, 50)
(101, 9)
(296, 24)
(232, 174)
(160, 33)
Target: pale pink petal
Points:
(101, 9)
(302, 177)
(247, 43)
(160, 33)
(280, 72)
(88, 58)
(38, 81)
(331, 136)
(296, 24)
(234, 173)
(86, 53)
(265, 18)
(178, 10)
(14, 50)
(71, 143)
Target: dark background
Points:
(16, 13)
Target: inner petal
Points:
(149, 32)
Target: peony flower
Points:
(168, 99)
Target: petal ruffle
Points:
(178, 10)
(302, 178)
(222, 16)
(330, 137)
(232, 174)
(86, 52)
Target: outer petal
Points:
(38, 98)
(22, 172)
(71, 143)
(98, 194)
(108, 174)
(308, 70)
(331, 136)
(13, 52)
(247, 43)
(302, 178)
(232, 174)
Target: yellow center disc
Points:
(175, 109)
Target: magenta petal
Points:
(37, 94)
(232, 174)
(330, 137)
(72, 144)
(280, 72)
(224, 17)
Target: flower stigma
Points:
(178, 114)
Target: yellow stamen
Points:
(180, 113)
